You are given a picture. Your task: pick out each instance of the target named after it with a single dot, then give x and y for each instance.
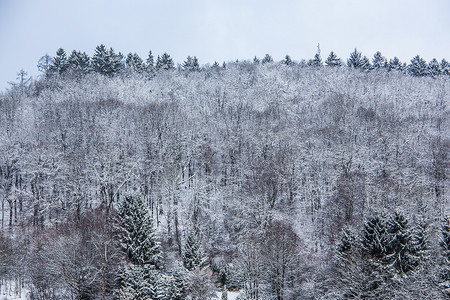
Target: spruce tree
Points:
(287, 60)
(400, 252)
(445, 67)
(333, 60)
(99, 60)
(395, 65)
(164, 62)
(444, 272)
(193, 256)
(317, 60)
(374, 237)
(379, 61)
(107, 62)
(267, 59)
(418, 67)
(140, 279)
(139, 240)
(79, 62)
(191, 64)
(256, 60)
(59, 63)
(150, 64)
(134, 63)
(355, 60)
(215, 66)
(365, 64)
(434, 69)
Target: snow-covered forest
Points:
(131, 178)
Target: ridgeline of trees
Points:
(131, 178)
(108, 62)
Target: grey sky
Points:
(220, 30)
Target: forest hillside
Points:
(128, 179)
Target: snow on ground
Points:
(231, 295)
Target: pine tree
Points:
(79, 62)
(107, 62)
(59, 63)
(141, 282)
(418, 67)
(400, 253)
(374, 237)
(139, 239)
(365, 64)
(191, 64)
(317, 60)
(287, 60)
(150, 64)
(134, 63)
(177, 284)
(193, 256)
(256, 60)
(396, 65)
(379, 61)
(420, 244)
(267, 59)
(164, 62)
(99, 60)
(434, 69)
(445, 67)
(215, 66)
(141, 278)
(355, 60)
(333, 60)
(444, 272)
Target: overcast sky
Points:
(220, 30)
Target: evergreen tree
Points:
(164, 62)
(374, 237)
(256, 60)
(333, 60)
(379, 61)
(99, 60)
(400, 252)
(365, 64)
(141, 282)
(317, 60)
(418, 67)
(140, 279)
(79, 62)
(193, 257)
(59, 63)
(396, 65)
(267, 59)
(139, 239)
(150, 63)
(444, 272)
(177, 284)
(445, 67)
(191, 64)
(434, 69)
(420, 243)
(215, 66)
(134, 63)
(355, 60)
(107, 62)
(287, 60)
